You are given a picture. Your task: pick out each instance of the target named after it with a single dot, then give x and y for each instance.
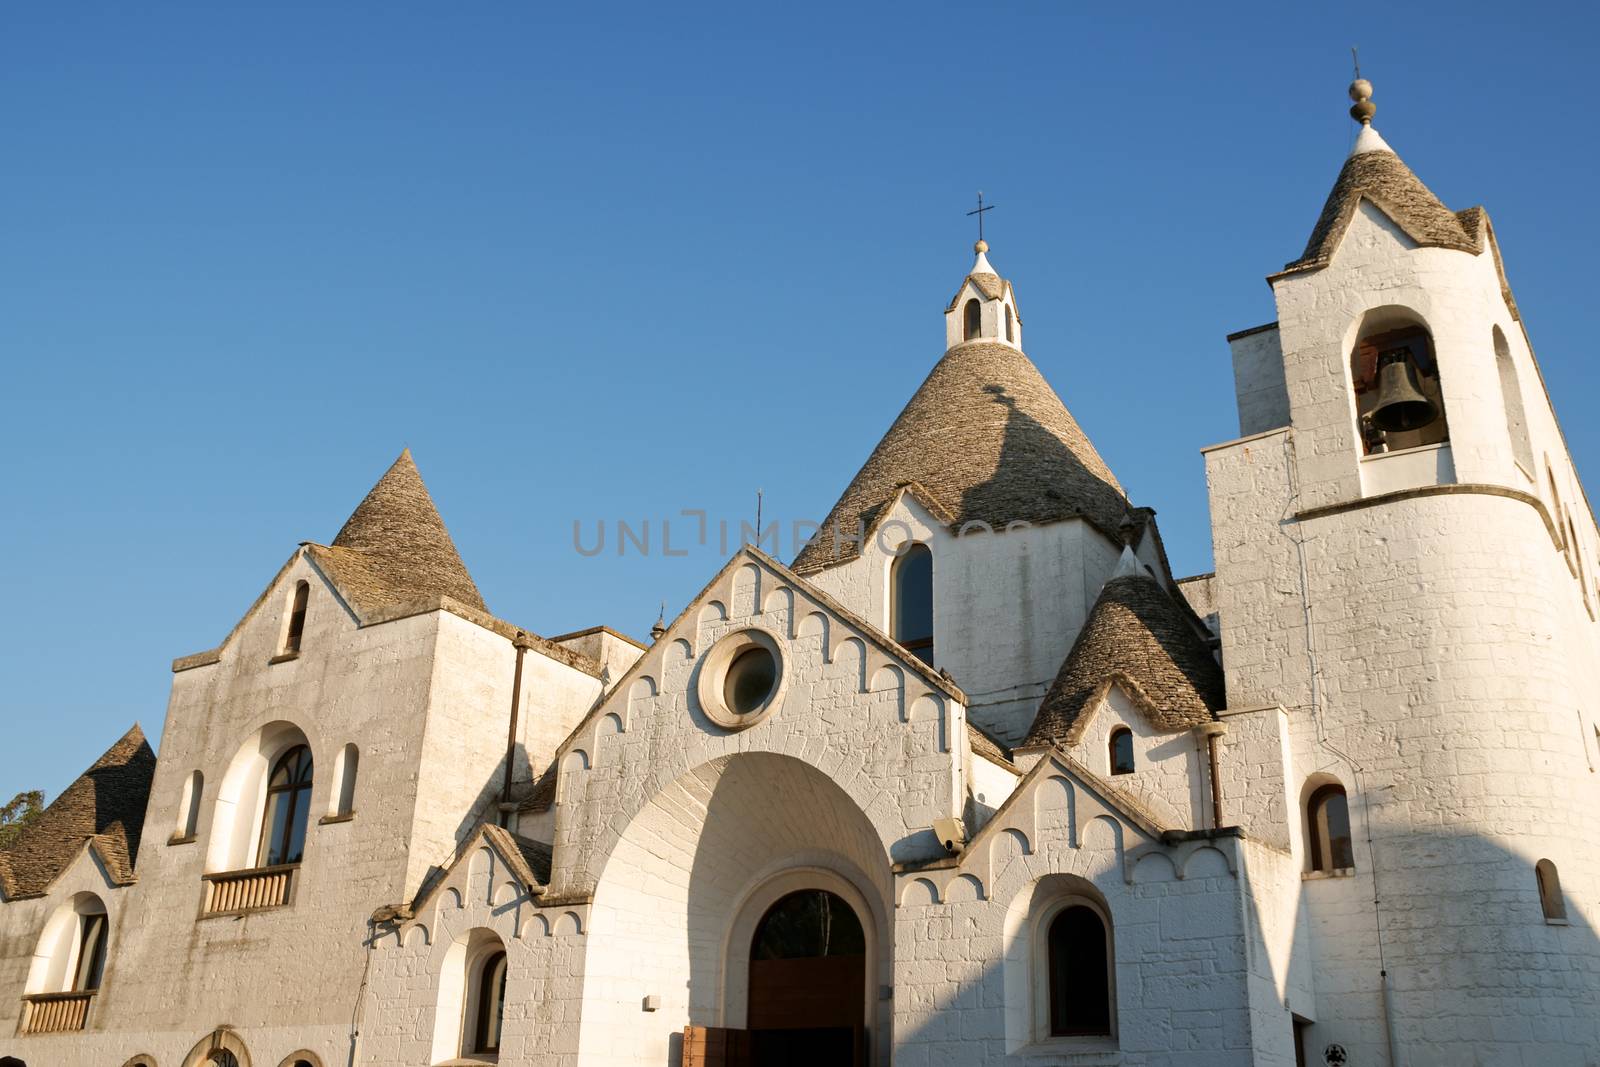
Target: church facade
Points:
(974, 779)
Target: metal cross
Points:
(979, 213)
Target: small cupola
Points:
(984, 308)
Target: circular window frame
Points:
(712, 684)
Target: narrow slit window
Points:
(349, 764)
(911, 601)
(972, 320)
(1550, 898)
(1122, 750)
(1011, 333)
(1328, 818)
(297, 618)
(189, 806)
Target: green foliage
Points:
(18, 813)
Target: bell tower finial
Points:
(1361, 92)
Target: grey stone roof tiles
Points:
(103, 808)
(1138, 635)
(989, 440)
(395, 548)
(1381, 177)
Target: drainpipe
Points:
(521, 643)
(1211, 731)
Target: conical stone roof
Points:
(105, 806)
(394, 549)
(988, 439)
(1374, 172)
(1136, 633)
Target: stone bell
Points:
(1401, 405)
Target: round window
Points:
(741, 679)
(751, 677)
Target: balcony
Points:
(256, 889)
(55, 1013)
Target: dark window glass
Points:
(91, 953)
(1329, 814)
(223, 1058)
(283, 825)
(810, 923)
(1122, 751)
(297, 618)
(972, 319)
(491, 1002)
(1080, 979)
(751, 677)
(911, 607)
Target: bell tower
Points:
(984, 308)
(1430, 629)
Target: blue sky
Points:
(612, 263)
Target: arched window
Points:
(297, 618)
(283, 823)
(491, 1001)
(971, 319)
(1511, 397)
(344, 776)
(1399, 403)
(1550, 898)
(1328, 825)
(189, 807)
(1122, 750)
(1011, 333)
(911, 601)
(1079, 941)
(71, 956)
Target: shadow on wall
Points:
(1477, 972)
(1480, 977)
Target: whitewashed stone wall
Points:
(1007, 605)
(1435, 655)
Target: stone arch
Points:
(1387, 328)
(713, 611)
(455, 990)
(849, 659)
(1511, 400)
(241, 796)
(746, 596)
(666, 897)
(964, 887)
(304, 1056)
(1206, 862)
(918, 892)
(1025, 952)
(416, 936)
(1154, 867)
(203, 1054)
(1103, 831)
(57, 956)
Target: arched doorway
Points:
(808, 969)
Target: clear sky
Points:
(606, 264)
